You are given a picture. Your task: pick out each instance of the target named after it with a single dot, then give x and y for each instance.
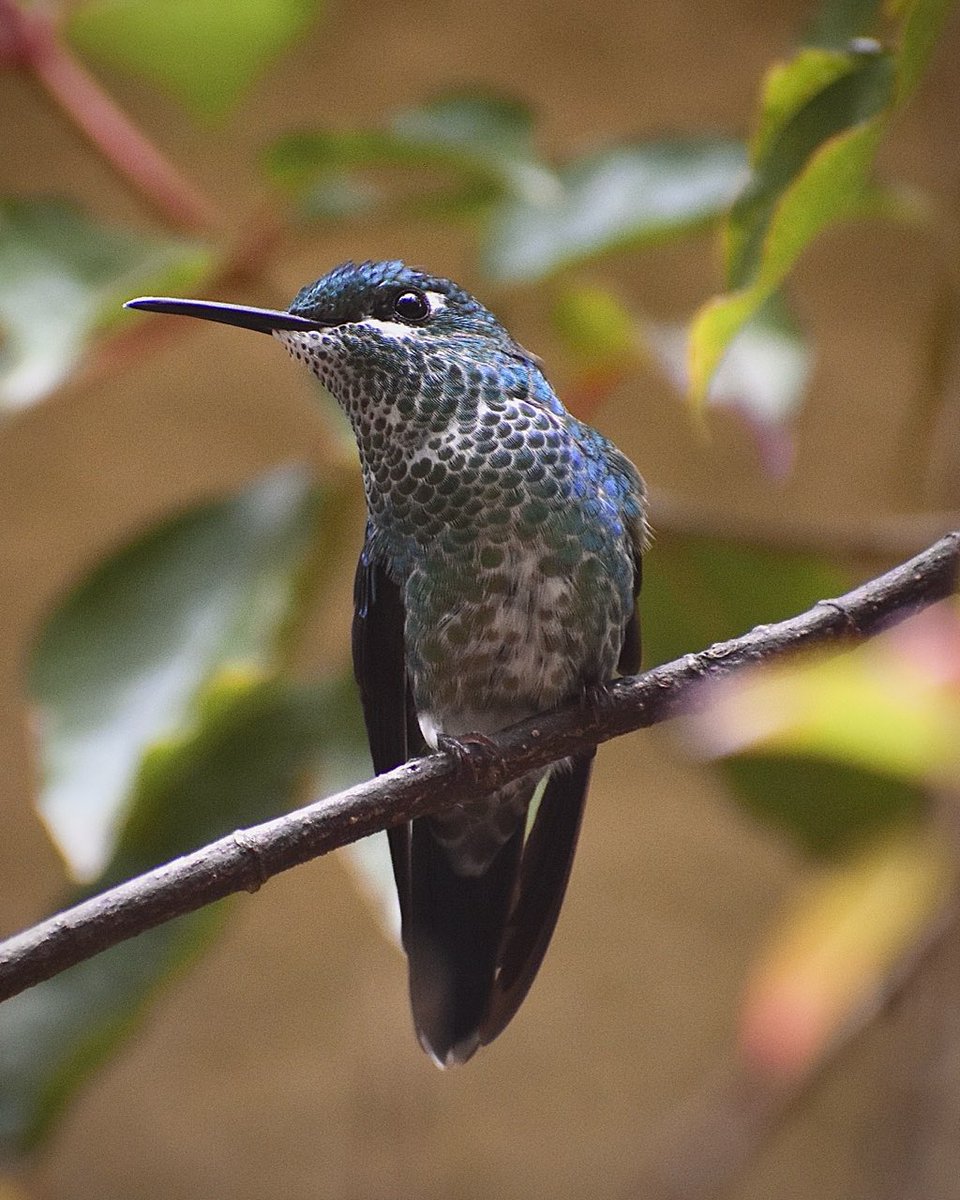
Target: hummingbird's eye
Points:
(412, 306)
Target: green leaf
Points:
(829, 808)
(922, 25)
(832, 188)
(484, 144)
(819, 96)
(698, 591)
(789, 129)
(204, 52)
(838, 22)
(487, 127)
(890, 705)
(119, 665)
(249, 754)
(165, 723)
(346, 762)
(626, 196)
(62, 276)
(840, 745)
(454, 152)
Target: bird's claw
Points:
(595, 697)
(474, 753)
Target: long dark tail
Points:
(453, 937)
(475, 943)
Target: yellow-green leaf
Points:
(822, 116)
(922, 25)
(831, 955)
(892, 705)
(595, 327)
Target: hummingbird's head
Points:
(377, 334)
(384, 330)
(385, 299)
(392, 299)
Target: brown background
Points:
(284, 1063)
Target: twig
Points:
(29, 40)
(245, 861)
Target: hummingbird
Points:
(498, 579)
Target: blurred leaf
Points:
(828, 807)
(786, 120)
(539, 223)
(701, 590)
(595, 327)
(834, 951)
(832, 189)
(922, 24)
(891, 705)
(119, 664)
(839, 21)
(495, 130)
(346, 762)
(249, 753)
(460, 149)
(842, 745)
(625, 196)
(698, 590)
(204, 52)
(336, 195)
(822, 116)
(763, 375)
(61, 277)
(165, 725)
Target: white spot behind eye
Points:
(394, 329)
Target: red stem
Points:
(29, 40)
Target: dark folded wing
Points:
(380, 668)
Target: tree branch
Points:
(246, 859)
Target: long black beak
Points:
(263, 320)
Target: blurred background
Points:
(282, 1059)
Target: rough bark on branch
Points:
(246, 859)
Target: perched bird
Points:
(498, 579)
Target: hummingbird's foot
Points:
(474, 753)
(595, 697)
